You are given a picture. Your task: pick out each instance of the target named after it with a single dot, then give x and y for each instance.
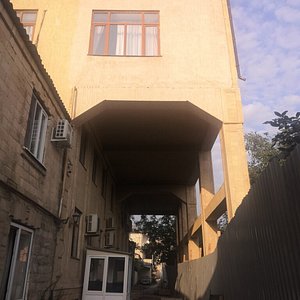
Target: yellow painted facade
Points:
(196, 61)
(196, 65)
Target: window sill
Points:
(75, 258)
(107, 55)
(33, 161)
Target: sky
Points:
(268, 43)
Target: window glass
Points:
(95, 166)
(116, 39)
(16, 263)
(21, 265)
(115, 275)
(96, 274)
(29, 31)
(126, 18)
(75, 236)
(99, 40)
(29, 17)
(36, 129)
(100, 17)
(151, 46)
(134, 40)
(151, 18)
(130, 34)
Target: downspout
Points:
(42, 23)
(63, 180)
(237, 64)
(74, 102)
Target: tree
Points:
(161, 232)
(288, 135)
(260, 152)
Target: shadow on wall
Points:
(258, 256)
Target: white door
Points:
(106, 276)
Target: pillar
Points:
(209, 232)
(235, 169)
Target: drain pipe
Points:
(237, 64)
(42, 23)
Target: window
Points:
(75, 236)
(14, 279)
(83, 145)
(36, 129)
(125, 33)
(112, 197)
(28, 19)
(104, 182)
(96, 274)
(115, 275)
(95, 166)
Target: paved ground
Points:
(151, 292)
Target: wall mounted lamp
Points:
(76, 217)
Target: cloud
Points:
(288, 14)
(255, 114)
(268, 43)
(293, 3)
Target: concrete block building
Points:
(149, 85)
(32, 167)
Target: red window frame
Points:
(20, 14)
(108, 23)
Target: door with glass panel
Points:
(14, 277)
(106, 276)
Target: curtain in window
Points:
(29, 31)
(134, 40)
(99, 40)
(151, 47)
(116, 40)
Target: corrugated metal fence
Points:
(258, 257)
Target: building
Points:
(32, 167)
(149, 86)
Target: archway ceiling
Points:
(152, 204)
(152, 142)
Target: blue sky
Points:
(268, 42)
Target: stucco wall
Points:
(196, 62)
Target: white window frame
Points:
(36, 133)
(11, 275)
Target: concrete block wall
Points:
(29, 190)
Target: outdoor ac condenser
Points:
(92, 223)
(62, 133)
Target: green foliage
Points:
(161, 232)
(260, 152)
(288, 135)
(222, 222)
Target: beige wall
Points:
(196, 61)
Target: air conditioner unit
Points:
(92, 223)
(62, 133)
(109, 240)
(110, 223)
